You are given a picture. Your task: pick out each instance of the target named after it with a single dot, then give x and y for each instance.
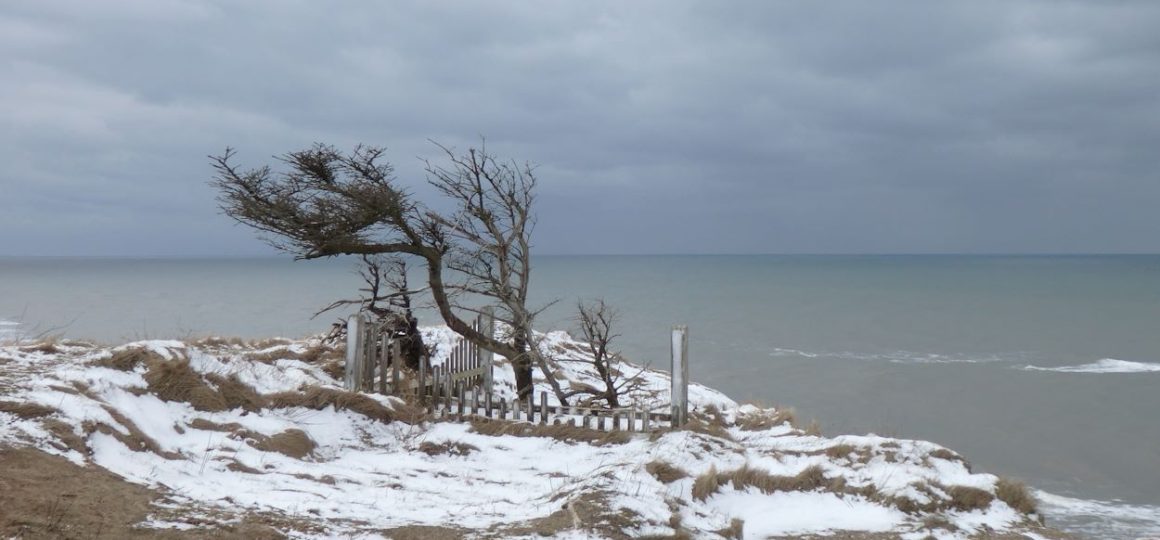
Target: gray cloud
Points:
(658, 126)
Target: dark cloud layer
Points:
(659, 127)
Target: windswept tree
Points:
(324, 203)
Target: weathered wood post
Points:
(369, 357)
(544, 408)
(423, 360)
(355, 330)
(384, 359)
(680, 375)
(396, 365)
(487, 328)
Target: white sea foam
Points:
(896, 357)
(1107, 365)
(1100, 519)
(9, 330)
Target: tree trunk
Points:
(522, 365)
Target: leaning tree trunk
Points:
(522, 366)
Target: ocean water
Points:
(1043, 368)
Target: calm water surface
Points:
(1042, 368)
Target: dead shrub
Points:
(26, 410)
(129, 359)
(814, 429)
(735, 530)
(968, 498)
(294, 443)
(664, 472)
(706, 484)
(237, 394)
(447, 448)
(560, 432)
(1016, 495)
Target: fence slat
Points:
(352, 375)
(543, 407)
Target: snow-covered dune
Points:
(226, 428)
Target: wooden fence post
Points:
(680, 375)
(487, 328)
(423, 379)
(396, 366)
(352, 375)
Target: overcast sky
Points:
(659, 127)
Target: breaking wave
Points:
(1107, 365)
(896, 357)
(9, 330)
(1100, 519)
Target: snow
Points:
(367, 475)
(805, 513)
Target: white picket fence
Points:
(461, 386)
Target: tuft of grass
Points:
(809, 479)
(560, 432)
(294, 443)
(318, 398)
(840, 450)
(735, 530)
(968, 498)
(767, 418)
(706, 484)
(66, 435)
(938, 521)
(447, 448)
(665, 472)
(176, 381)
(129, 359)
(26, 410)
(707, 425)
(237, 394)
(206, 425)
(1016, 495)
(136, 440)
(237, 466)
(46, 346)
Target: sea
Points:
(1042, 368)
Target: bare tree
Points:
(326, 203)
(489, 235)
(596, 321)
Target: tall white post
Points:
(355, 352)
(680, 375)
(487, 328)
